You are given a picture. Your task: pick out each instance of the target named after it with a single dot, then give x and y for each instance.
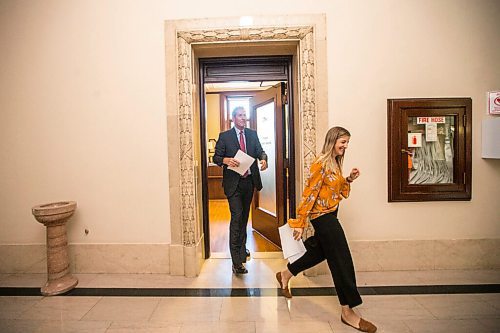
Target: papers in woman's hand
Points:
(245, 162)
(292, 249)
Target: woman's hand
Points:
(354, 174)
(297, 233)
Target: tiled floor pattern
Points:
(473, 313)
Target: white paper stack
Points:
(292, 249)
(245, 162)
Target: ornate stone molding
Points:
(307, 102)
(308, 106)
(185, 75)
(239, 34)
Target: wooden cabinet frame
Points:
(398, 113)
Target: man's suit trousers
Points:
(239, 206)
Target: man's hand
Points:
(232, 162)
(263, 165)
(297, 233)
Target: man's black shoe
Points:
(239, 269)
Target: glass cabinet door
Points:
(429, 149)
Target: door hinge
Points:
(284, 97)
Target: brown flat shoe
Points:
(364, 326)
(284, 291)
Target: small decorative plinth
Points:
(54, 216)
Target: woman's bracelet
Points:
(349, 179)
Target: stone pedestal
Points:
(54, 216)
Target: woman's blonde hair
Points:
(328, 152)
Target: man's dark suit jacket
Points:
(227, 146)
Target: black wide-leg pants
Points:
(239, 206)
(329, 242)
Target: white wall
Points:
(82, 109)
(400, 49)
(83, 118)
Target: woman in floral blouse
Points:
(324, 190)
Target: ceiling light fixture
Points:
(246, 21)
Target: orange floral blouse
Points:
(323, 192)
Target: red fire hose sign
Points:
(494, 102)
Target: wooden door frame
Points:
(263, 68)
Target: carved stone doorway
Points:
(186, 41)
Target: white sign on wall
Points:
(435, 120)
(494, 102)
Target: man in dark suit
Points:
(239, 188)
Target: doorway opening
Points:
(261, 86)
(187, 41)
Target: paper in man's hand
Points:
(245, 162)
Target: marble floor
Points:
(461, 311)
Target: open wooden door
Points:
(269, 205)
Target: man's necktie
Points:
(243, 149)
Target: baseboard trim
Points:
(181, 260)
